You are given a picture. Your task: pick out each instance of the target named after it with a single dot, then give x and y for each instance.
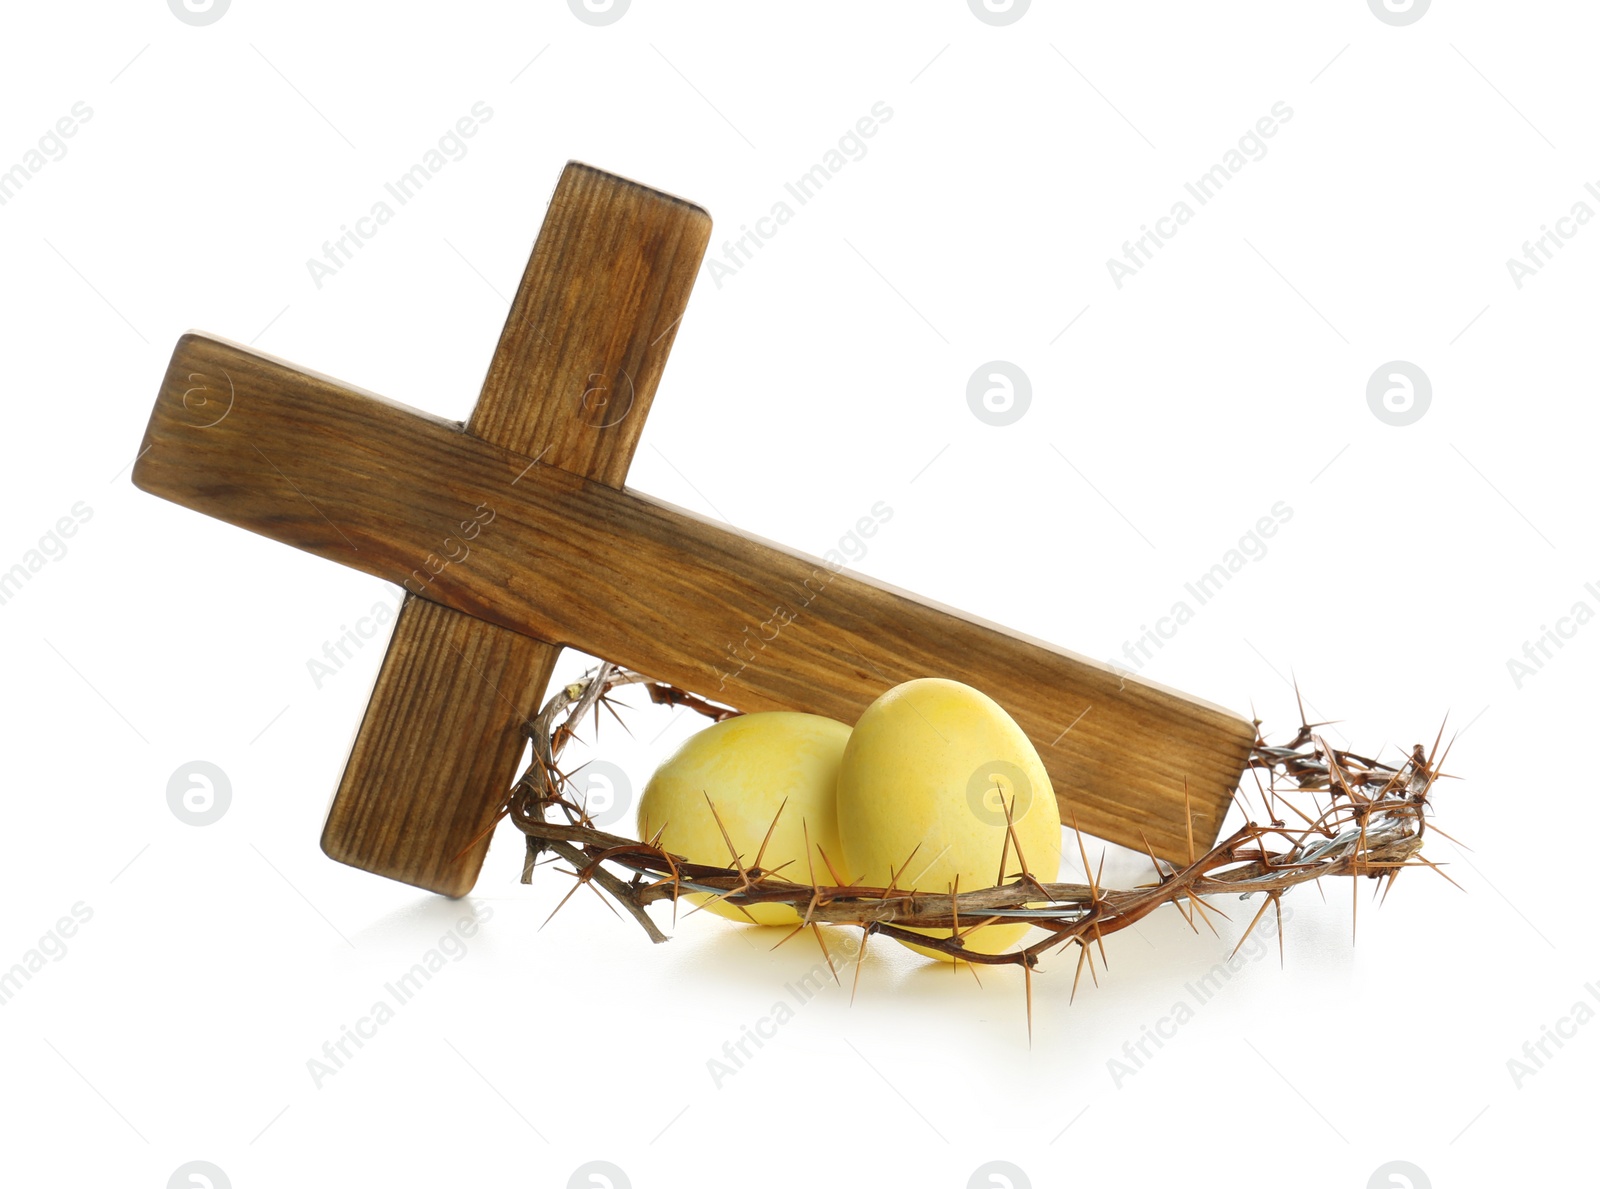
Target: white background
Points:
(828, 374)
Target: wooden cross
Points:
(514, 537)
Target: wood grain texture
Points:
(571, 382)
(592, 325)
(368, 483)
(437, 748)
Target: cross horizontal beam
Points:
(412, 499)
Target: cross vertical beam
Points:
(570, 385)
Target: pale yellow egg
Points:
(747, 766)
(926, 774)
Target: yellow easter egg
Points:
(747, 766)
(926, 776)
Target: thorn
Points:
(1094, 892)
(603, 899)
(1393, 875)
(1251, 929)
(984, 923)
(1201, 909)
(1027, 983)
(955, 912)
(1151, 851)
(717, 817)
(558, 907)
(1445, 836)
(800, 928)
(838, 880)
(607, 703)
(1082, 950)
(894, 876)
(489, 829)
(1005, 843)
(1437, 868)
(760, 854)
(826, 956)
(1188, 818)
(1184, 912)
